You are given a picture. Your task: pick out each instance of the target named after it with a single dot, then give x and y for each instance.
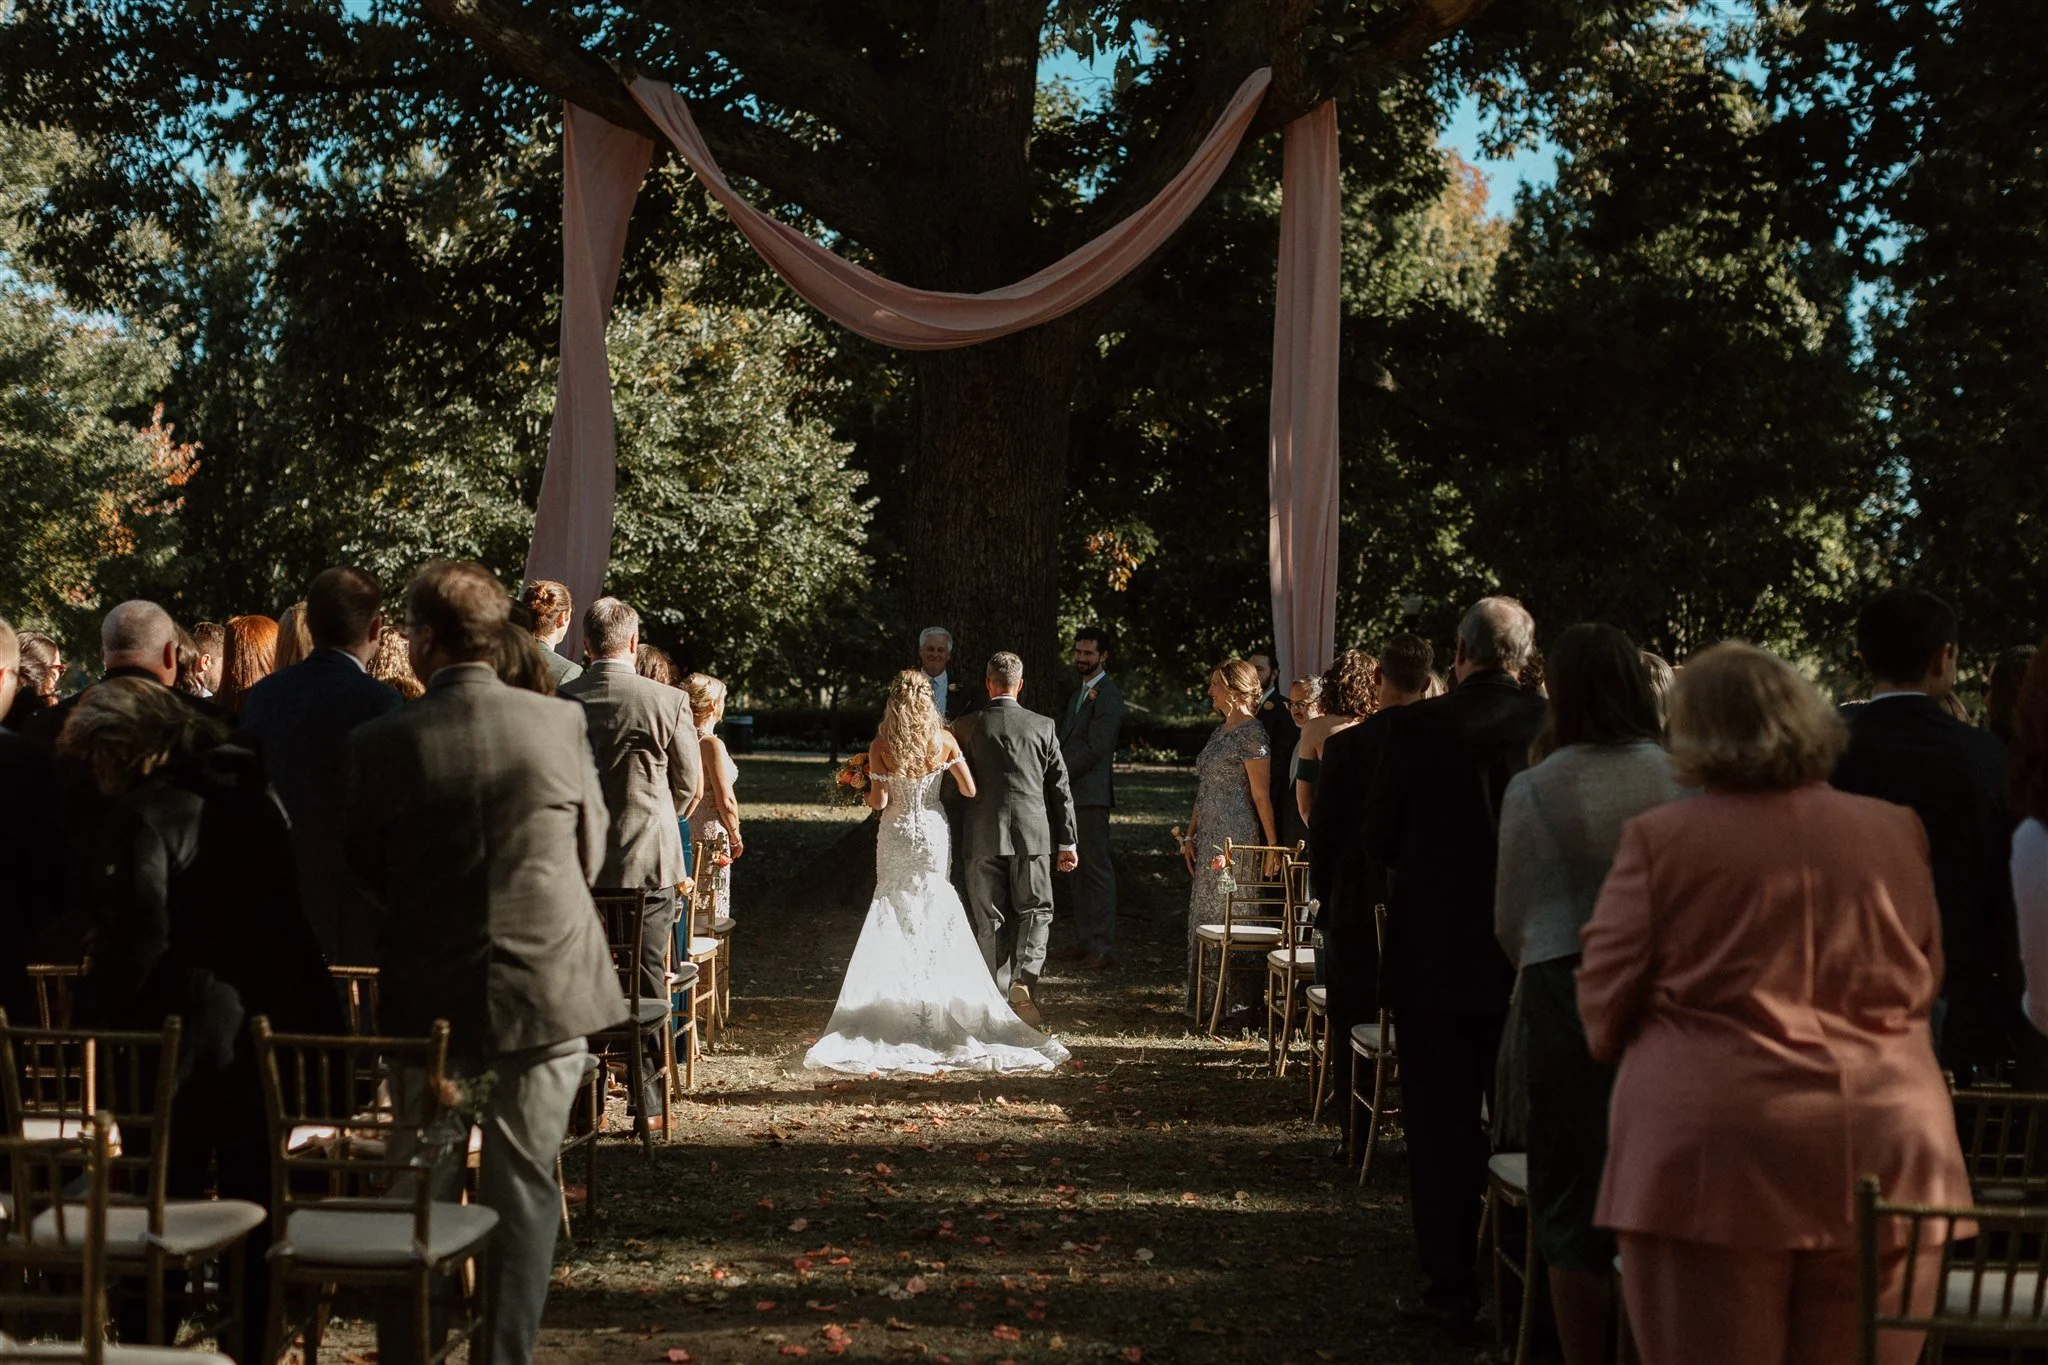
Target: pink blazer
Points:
(1763, 966)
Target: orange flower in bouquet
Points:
(852, 777)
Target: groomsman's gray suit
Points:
(474, 818)
(647, 759)
(1023, 812)
(1088, 730)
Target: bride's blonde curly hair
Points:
(911, 726)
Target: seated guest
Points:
(1344, 697)
(1905, 749)
(29, 888)
(1347, 882)
(196, 915)
(42, 674)
(294, 636)
(549, 609)
(251, 656)
(1597, 765)
(392, 666)
(480, 851)
(1762, 961)
(1433, 817)
(298, 720)
(647, 762)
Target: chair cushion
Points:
(648, 1012)
(702, 946)
(1318, 997)
(721, 925)
(1366, 1038)
(1303, 959)
(192, 1227)
(372, 1237)
(685, 974)
(2026, 1285)
(1241, 933)
(61, 1351)
(1510, 1169)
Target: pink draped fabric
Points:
(602, 167)
(1302, 532)
(931, 320)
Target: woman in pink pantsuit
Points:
(1762, 961)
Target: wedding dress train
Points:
(918, 997)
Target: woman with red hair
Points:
(250, 657)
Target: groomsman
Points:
(1088, 734)
(1283, 733)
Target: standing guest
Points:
(655, 665)
(42, 674)
(521, 662)
(191, 678)
(212, 639)
(251, 656)
(294, 638)
(720, 824)
(2002, 691)
(29, 888)
(475, 820)
(1598, 764)
(392, 664)
(1663, 677)
(1762, 961)
(550, 608)
(1275, 714)
(195, 915)
(1233, 803)
(647, 762)
(1905, 749)
(935, 657)
(1433, 816)
(1347, 881)
(1346, 696)
(2027, 790)
(1088, 733)
(299, 720)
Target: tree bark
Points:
(987, 487)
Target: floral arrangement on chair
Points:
(851, 778)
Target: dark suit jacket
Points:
(475, 819)
(298, 720)
(1088, 742)
(1283, 735)
(1908, 751)
(1024, 806)
(32, 884)
(195, 914)
(1342, 873)
(650, 763)
(1433, 816)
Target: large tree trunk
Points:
(987, 489)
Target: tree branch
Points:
(818, 179)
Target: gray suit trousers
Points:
(1010, 898)
(524, 1121)
(1087, 895)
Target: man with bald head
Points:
(138, 639)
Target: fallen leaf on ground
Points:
(1130, 1353)
(799, 1224)
(1004, 1332)
(676, 1355)
(765, 1306)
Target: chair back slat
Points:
(1254, 894)
(625, 923)
(53, 983)
(2004, 1134)
(359, 1001)
(45, 1176)
(1990, 1281)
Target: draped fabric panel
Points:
(931, 320)
(602, 167)
(1308, 306)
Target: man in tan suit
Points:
(646, 746)
(473, 817)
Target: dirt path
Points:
(1162, 1198)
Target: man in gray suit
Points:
(1023, 810)
(1088, 730)
(473, 817)
(646, 745)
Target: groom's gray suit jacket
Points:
(1025, 806)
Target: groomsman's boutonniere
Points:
(1091, 694)
(1267, 707)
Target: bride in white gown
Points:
(918, 997)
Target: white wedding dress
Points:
(918, 998)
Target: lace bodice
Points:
(913, 841)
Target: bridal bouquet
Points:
(852, 778)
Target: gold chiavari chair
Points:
(360, 1212)
(1315, 1029)
(625, 933)
(1255, 915)
(1291, 967)
(57, 1238)
(53, 983)
(1372, 1045)
(706, 922)
(1989, 1287)
(1510, 1251)
(358, 986)
(54, 1081)
(2005, 1144)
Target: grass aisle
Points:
(1162, 1198)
